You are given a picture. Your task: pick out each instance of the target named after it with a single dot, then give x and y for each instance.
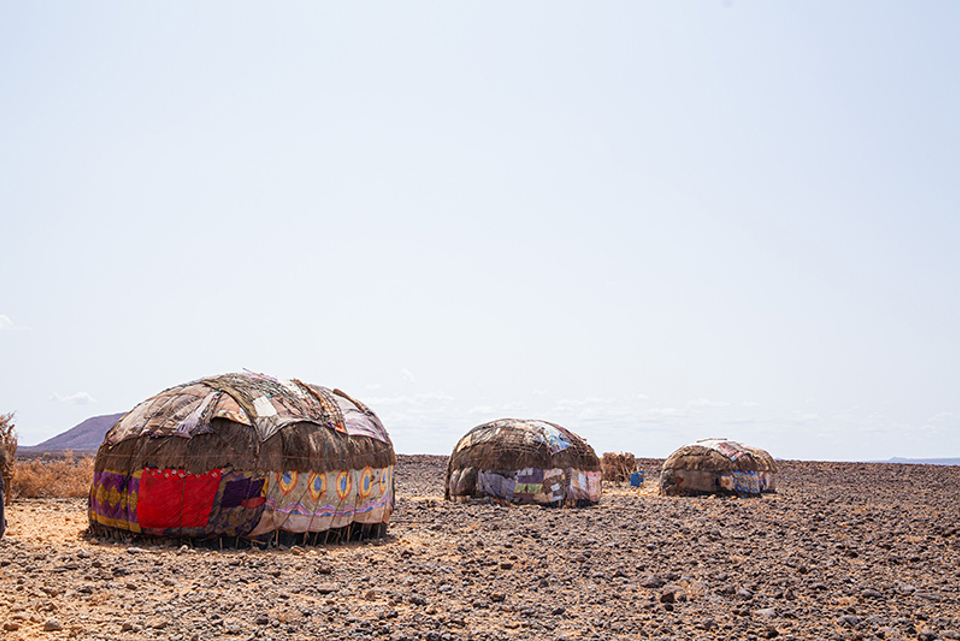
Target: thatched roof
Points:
(720, 455)
(513, 444)
(247, 421)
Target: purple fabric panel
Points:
(119, 486)
(236, 492)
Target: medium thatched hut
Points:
(245, 456)
(521, 461)
(717, 465)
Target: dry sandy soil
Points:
(843, 551)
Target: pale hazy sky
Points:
(648, 222)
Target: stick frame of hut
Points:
(524, 462)
(718, 466)
(618, 466)
(245, 457)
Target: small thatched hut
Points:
(522, 461)
(716, 465)
(245, 456)
(618, 466)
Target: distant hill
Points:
(85, 437)
(925, 461)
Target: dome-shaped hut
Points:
(718, 465)
(523, 461)
(245, 456)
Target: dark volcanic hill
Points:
(85, 437)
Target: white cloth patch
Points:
(264, 407)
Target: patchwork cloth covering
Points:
(243, 455)
(718, 465)
(524, 461)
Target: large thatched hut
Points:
(245, 456)
(521, 461)
(718, 465)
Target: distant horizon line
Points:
(955, 460)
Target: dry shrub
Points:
(8, 452)
(48, 478)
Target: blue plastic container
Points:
(636, 479)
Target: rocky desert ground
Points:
(842, 551)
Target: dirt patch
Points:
(843, 551)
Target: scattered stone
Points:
(652, 581)
(52, 625)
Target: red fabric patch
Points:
(172, 498)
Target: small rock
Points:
(652, 581)
(849, 620)
(157, 622)
(134, 550)
(766, 613)
(10, 626)
(52, 625)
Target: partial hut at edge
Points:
(245, 457)
(718, 466)
(524, 462)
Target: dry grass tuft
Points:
(49, 478)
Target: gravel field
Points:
(842, 551)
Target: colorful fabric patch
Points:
(556, 440)
(496, 485)
(238, 493)
(367, 482)
(384, 480)
(174, 498)
(746, 482)
(730, 449)
(317, 485)
(113, 500)
(344, 485)
(305, 508)
(286, 481)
